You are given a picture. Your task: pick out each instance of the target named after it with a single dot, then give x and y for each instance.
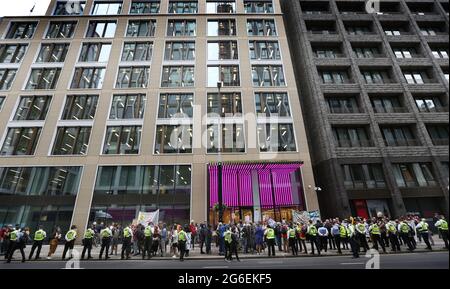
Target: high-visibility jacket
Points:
(13, 235)
(424, 227)
(106, 233)
(270, 233)
(312, 230)
(148, 231)
(71, 235)
(89, 234)
(404, 228)
(343, 231)
(127, 232)
(291, 234)
(361, 228)
(182, 236)
(391, 228)
(443, 226)
(227, 236)
(375, 230)
(39, 235)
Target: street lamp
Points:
(317, 189)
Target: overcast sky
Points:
(22, 7)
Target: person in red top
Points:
(193, 229)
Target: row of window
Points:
(399, 135)
(380, 75)
(375, 50)
(154, 6)
(141, 28)
(371, 176)
(389, 103)
(390, 28)
(138, 77)
(123, 137)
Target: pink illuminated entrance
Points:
(254, 192)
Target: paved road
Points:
(432, 260)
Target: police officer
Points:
(353, 240)
(182, 238)
(343, 235)
(422, 228)
(442, 226)
(148, 242)
(292, 240)
(15, 243)
(393, 237)
(312, 235)
(87, 242)
(126, 245)
(375, 236)
(323, 237)
(39, 237)
(227, 236)
(70, 237)
(361, 233)
(405, 233)
(270, 239)
(106, 235)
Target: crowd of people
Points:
(313, 237)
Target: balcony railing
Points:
(392, 110)
(345, 110)
(353, 144)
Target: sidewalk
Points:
(195, 254)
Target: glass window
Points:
(343, 105)
(71, 141)
(137, 51)
(21, 141)
(69, 7)
(215, 7)
(141, 28)
(438, 134)
(264, 6)
(181, 28)
(145, 7)
(182, 7)
(88, 77)
(226, 138)
(179, 51)
(6, 78)
(54, 52)
(33, 107)
(268, 75)
(178, 76)
(272, 104)
(176, 105)
(363, 176)
(80, 107)
(173, 139)
(222, 27)
(122, 140)
(224, 105)
(43, 78)
(133, 77)
(63, 29)
(261, 28)
(21, 30)
(276, 137)
(267, 50)
(101, 29)
(223, 50)
(12, 53)
(128, 106)
(95, 52)
(107, 8)
(2, 101)
(227, 74)
(414, 175)
(429, 104)
(351, 137)
(399, 136)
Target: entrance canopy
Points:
(255, 184)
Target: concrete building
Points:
(89, 94)
(374, 89)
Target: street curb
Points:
(241, 257)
